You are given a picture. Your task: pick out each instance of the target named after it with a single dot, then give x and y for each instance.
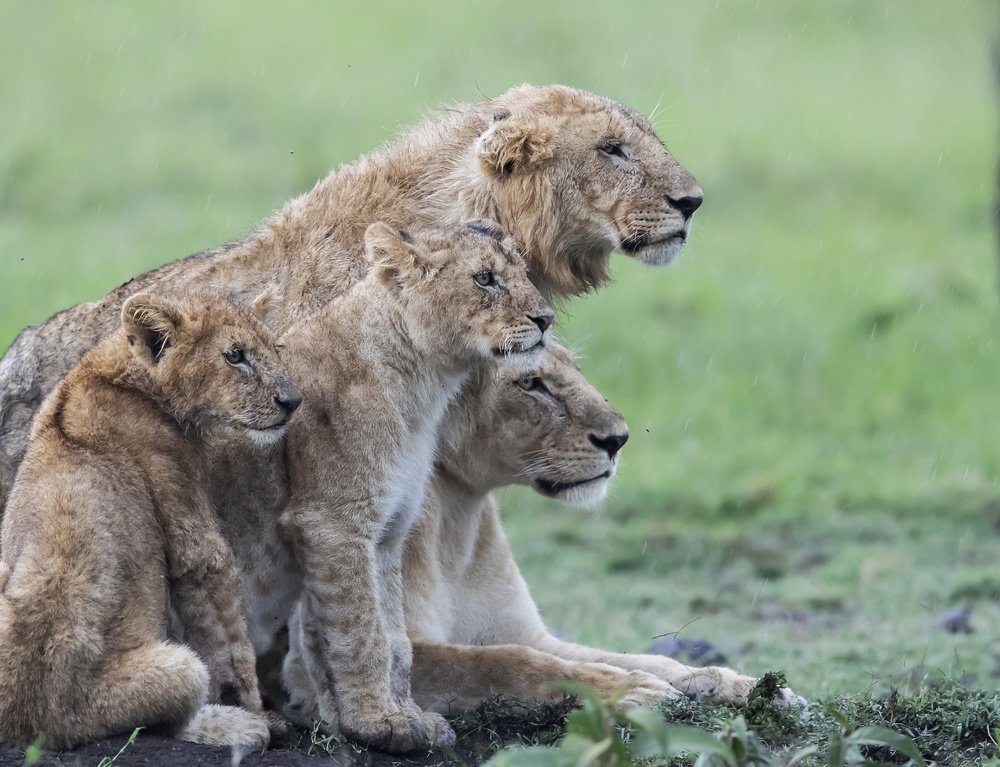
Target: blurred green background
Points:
(812, 477)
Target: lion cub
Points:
(385, 361)
(110, 530)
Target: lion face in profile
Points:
(463, 287)
(550, 430)
(582, 175)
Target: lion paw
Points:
(395, 732)
(714, 684)
(438, 728)
(646, 690)
(217, 725)
(785, 697)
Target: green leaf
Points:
(579, 751)
(532, 756)
(882, 736)
(835, 758)
(651, 738)
(696, 741)
(33, 754)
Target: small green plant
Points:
(599, 735)
(33, 754)
(845, 744)
(105, 761)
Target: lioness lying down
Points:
(476, 632)
(569, 175)
(110, 520)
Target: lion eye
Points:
(533, 383)
(484, 278)
(613, 149)
(234, 356)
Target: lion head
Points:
(549, 430)
(573, 177)
(212, 361)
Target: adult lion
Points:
(569, 175)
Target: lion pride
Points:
(569, 175)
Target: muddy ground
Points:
(480, 734)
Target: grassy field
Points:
(813, 471)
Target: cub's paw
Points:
(217, 725)
(438, 728)
(395, 732)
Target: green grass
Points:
(812, 391)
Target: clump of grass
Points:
(951, 724)
(498, 723)
(598, 735)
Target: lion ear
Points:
(267, 306)
(151, 324)
(509, 146)
(391, 252)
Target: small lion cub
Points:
(109, 530)
(387, 358)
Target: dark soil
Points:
(480, 734)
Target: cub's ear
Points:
(267, 306)
(151, 324)
(509, 146)
(391, 252)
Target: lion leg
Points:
(214, 626)
(450, 678)
(303, 672)
(439, 730)
(344, 582)
(156, 685)
(713, 684)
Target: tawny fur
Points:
(392, 353)
(533, 160)
(570, 175)
(110, 532)
(476, 632)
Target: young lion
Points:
(110, 528)
(476, 632)
(436, 307)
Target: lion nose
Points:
(610, 445)
(288, 397)
(544, 321)
(686, 205)
(289, 403)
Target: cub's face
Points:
(550, 430)
(466, 290)
(214, 361)
(617, 187)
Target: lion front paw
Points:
(646, 690)
(395, 732)
(785, 697)
(715, 684)
(437, 726)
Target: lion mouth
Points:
(637, 242)
(549, 488)
(536, 347)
